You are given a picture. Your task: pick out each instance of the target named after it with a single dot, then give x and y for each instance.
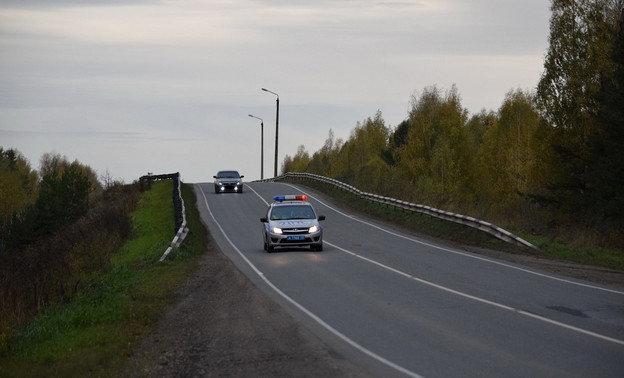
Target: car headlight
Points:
(313, 229)
(276, 230)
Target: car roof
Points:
(286, 204)
(279, 203)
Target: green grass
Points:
(600, 257)
(432, 227)
(95, 332)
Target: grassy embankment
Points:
(95, 332)
(433, 227)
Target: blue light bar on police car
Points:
(290, 197)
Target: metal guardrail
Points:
(179, 209)
(183, 230)
(441, 214)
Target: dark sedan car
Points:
(228, 181)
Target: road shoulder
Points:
(221, 324)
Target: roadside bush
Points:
(52, 269)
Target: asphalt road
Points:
(398, 305)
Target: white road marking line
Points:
(465, 295)
(478, 299)
(303, 309)
(263, 200)
(462, 253)
(462, 294)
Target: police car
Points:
(290, 221)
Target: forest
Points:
(548, 162)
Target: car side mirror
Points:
(321, 218)
(263, 220)
(242, 176)
(214, 176)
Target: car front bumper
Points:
(225, 187)
(294, 240)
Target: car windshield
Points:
(228, 174)
(292, 212)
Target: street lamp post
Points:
(261, 146)
(276, 129)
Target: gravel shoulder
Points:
(222, 325)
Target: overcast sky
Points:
(131, 87)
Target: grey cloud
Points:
(53, 4)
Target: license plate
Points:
(295, 237)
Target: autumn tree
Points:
(605, 178)
(18, 185)
(414, 151)
(578, 64)
(298, 163)
(507, 156)
(325, 161)
(63, 196)
(478, 125)
(436, 158)
(364, 150)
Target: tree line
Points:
(58, 225)
(35, 204)
(548, 161)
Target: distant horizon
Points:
(143, 86)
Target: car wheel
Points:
(265, 246)
(270, 248)
(318, 248)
